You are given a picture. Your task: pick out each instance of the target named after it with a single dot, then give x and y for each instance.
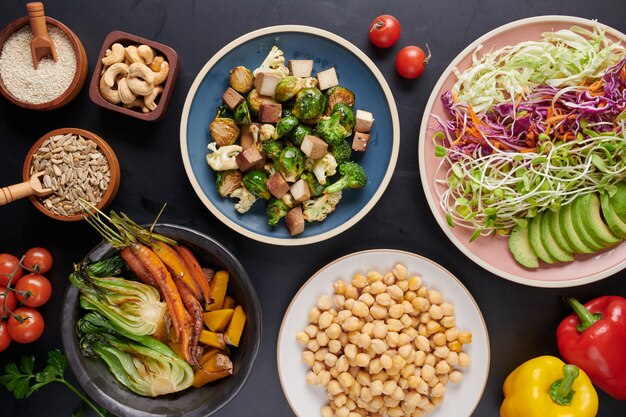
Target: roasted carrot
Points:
(139, 270)
(195, 311)
(164, 280)
(196, 272)
(177, 266)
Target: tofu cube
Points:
(300, 191)
(270, 112)
(249, 158)
(277, 185)
(294, 220)
(301, 67)
(327, 79)
(232, 99)
(266, 82)
(314, 147)
(360, 141)
(245, 137)
(364, 120)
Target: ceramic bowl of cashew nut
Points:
(134, 76)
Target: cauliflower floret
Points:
(266, 132)
(309, 82)
(274, 63)
(325, 167)
(246, 199)
(316, 210)
(223, 158)
(270, 169)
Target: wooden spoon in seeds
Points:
(34, 186)
(41, 45)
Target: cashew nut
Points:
(161, 75)
(109, 94)
(142, 71)
(149, 99)
(115, 55)
(146, 53)
(113, 71)
(138, 102)
(139, 86)
(126, 95)
(132, 54)
(156, 63)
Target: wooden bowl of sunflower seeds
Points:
(78, 165)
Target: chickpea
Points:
(384, 299)
(464, 360)
(442, 367)
(323, 378)
(348, 304)
(378, 312)
(420, 357)
(409, 295)
(360, 309)
(345, 379)
(379, 346)
(340, 400)
(436, 401)
(342, 316)
(423, 402)
(394, 325)
(350, 351)
(412, 398)
(430, 359)
(326, 411)
(424, 318)
(322, 339)
(407, 307)
(405, 350)
(417, 413)
(422, 343)
(438, 390)
(376, 388)
(352, 414)
(455, 346)
(365, 290)
(465, 338)
(379, 331)
(422, 292)
(403, 285)
(453, 358)
(342, 411)
(428, 372)
(451, 334)
(351, 324)
(339, 300)
(362, 359)
(389, 387)
(311, 378)
(314, 314)
(334, 373)
(377, 287)
(390, 403)
(395, 412)
(311, 330)
(352, 293)
(386, 361)
(419, 303)
(408, 371)
(435, 297)
(363, 377)
(433, 327)
(438, 339)
(330, 359)
(374, 276)
(406, 321)
(447, 308)
(436, 312)
(403, 339)
(364, 341)
(422, 388)
(343, 339)
(366, 395)
(448, 322)
(456, 376)
(396, 311)
(321, 354)
(389, 279)
(355, 390)
(433, 382)
(324, 303)
(441, 351)
(377, 403)
(395, 292)
(398, 362)
(359, 281)
(367, 299)
(312, 345)
(392, 339)
(340, 287)
(398, 394)
(410, 332)
(403, 383)
(302, 338)
(308, 357)
(333, 331)
(375, 367)
(421, 330)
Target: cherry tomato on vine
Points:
(5, 337)
(8, 302)
(8, 264)
(384, 31)
(26, 325)
(37, 260)
(33, 290)
(411, 61)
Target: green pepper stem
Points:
(561, 390)
(587, 319)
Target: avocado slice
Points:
(549, 242)
(616, 224)
(534, 238)
(557, 233)
(593, 223)
(566, 223)
(618, 201)
(520, 247)
(581, 230)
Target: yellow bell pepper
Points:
(547, 387)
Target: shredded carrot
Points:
(528, 150)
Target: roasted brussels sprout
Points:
(242, 115)
(241, 79)
(287, 88)
(331, 129)
(338, 94)
(291, 163)
(273, 149)
(310, 103)
(254, 101)
(341, 150)
(297, 134)
(347, 120)
(285, 125)
(314, 185)
(224, 131)
(255, 182)
(228, 181)
(276, 210)
(285, 112)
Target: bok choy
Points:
(134, 307)
(141, 363)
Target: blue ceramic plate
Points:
(355, 71)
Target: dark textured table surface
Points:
(521, 320)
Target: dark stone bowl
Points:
(95, 378)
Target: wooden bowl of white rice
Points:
(52, 84)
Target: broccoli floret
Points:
(276, 210)
(317, 209)
(314, 185)
(324, 167)
(342, 151)
(353, 176)
(331, 129)
(246, 200)
(228, 181)
(273, 149)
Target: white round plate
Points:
(306, 401)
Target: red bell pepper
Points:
(594, 339)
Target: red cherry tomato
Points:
(8, 263)
(26, 325)
(5, 337)
(8, 302)
(385, 31)
(37, 260)
(411, 60)
(33, 290)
